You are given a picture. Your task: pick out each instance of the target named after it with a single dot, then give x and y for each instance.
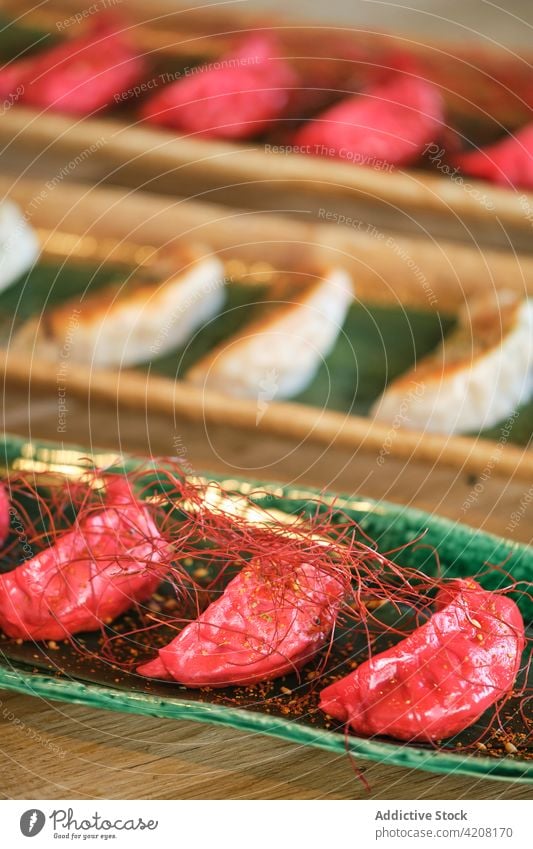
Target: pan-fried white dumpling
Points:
(277, 355)
(132, 322)
(19, 246)
(479, 375)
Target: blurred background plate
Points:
(407, 291)
(487, 88)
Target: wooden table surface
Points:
(56, 751)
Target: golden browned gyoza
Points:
(478, 376)
(278, 354)
(132, 321)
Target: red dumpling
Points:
(442, 677)
(270, 620)
(112, 558)
(236, 98)
(77, 76)
(509, 162)
(392, 122)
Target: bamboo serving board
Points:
(488, 88)
(111, 225)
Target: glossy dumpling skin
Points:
(111, 559)
(267, 622)
(442, 677)
(277, 355)
(479, 375)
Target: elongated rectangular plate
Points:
(66, 675)
(109, 226)
(377, 343)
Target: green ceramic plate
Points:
(377, 344)
(66, 675)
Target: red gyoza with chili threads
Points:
(112, 558)
(273, 617)
(78, 76)
(392, 122)
(508, 162)
(442, 677)
(238, 100)
(282, 607)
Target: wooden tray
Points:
(112, 226)
(484, 87)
